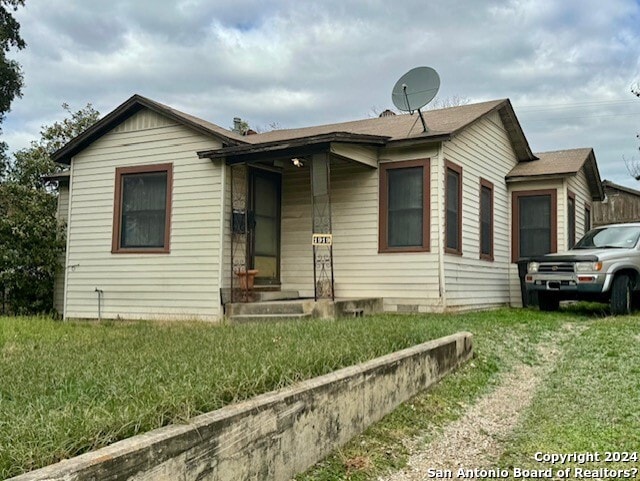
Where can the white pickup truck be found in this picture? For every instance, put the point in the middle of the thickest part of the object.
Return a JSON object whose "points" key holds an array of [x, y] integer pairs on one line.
{"points": [[604, 266]]}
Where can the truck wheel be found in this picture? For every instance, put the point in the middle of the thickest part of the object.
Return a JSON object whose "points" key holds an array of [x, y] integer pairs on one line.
{"points": [[548, 301], [621, 295]]}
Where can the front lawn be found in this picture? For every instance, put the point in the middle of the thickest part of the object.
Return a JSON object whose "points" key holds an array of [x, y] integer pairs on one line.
{"points": [[587, 404], [67, 388]]}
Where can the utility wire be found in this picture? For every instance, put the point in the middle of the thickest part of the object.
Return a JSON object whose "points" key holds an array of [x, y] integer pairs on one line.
{"points": [[575, 105]]}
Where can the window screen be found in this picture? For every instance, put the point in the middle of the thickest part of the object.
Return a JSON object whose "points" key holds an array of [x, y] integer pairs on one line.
{"points": [[486, 220], [571, 221], [453, 210], [535, 225], [405, 205], [144, 200]]}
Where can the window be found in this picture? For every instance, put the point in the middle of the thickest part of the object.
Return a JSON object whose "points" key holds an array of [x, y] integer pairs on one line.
{"points": [[534, 223], [142, 209], [453, 209], [486, 220], [404, 206], [587, 218], [571, 219]]}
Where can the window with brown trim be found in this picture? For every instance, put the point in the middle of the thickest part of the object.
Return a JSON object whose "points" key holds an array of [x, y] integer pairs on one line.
{"points": [[404, 206], [571, 219], [486, 220], [453, 208], [587, 218], [142, 209], [534, 226]]}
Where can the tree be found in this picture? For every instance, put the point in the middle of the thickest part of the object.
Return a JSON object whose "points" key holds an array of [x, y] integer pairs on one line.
{"points": [[453, 101], [435, 104], [30, 242], [10, 73], [31, 238], [32, 163], [633, 165]]}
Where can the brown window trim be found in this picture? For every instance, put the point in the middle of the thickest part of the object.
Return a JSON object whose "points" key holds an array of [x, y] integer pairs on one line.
{"points": [[383, 211], [571, 196], [488, 185], [587, 211], [458, 169], [515, 219], [117, 209]]}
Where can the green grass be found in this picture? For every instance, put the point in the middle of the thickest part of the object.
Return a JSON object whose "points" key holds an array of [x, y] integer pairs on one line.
{"points": [[66, 388], [589, 403]]}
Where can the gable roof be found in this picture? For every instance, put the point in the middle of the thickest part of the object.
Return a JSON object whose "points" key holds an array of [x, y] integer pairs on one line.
{"points": [[607, 184], [125, 110], [442, 125], [562, 163]]}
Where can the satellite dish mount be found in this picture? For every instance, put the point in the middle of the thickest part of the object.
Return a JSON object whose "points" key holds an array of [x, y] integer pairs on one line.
{"points": [[415, 89]]}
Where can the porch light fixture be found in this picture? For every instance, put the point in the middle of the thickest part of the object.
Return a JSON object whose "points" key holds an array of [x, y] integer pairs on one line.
{"points": [[297, 162]]}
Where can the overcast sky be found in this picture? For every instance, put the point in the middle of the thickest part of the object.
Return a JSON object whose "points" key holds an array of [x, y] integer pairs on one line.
{"points": [[566, 65]]}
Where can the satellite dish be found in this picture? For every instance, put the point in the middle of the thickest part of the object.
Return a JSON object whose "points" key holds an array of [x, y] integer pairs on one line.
{"points": [[415, 89]]}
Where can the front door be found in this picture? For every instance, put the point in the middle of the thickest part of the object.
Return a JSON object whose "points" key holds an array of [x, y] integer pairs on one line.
{"points": [[264, 245]]}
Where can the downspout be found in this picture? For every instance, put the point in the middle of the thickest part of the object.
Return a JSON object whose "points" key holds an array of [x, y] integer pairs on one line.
{"points": [[224, 225], [440, 180], [67, 243]]}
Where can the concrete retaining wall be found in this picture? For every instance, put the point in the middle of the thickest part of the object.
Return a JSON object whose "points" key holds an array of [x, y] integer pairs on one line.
{"points": [[275, 435]]}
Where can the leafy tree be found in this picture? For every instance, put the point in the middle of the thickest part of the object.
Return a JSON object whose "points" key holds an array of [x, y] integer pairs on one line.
{"points": [[30, 242], [32, 163], [4, 160], [31, 238], [10, 73]]}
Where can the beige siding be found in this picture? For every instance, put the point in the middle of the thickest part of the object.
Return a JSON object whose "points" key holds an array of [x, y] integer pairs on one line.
{"points": [[183, 284], [61, 214], [408, 280], [579, 186], [484, 151], [561, 191]]}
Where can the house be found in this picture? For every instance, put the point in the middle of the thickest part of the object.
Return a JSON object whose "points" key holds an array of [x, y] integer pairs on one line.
{"points": [[169, 215], [620, 204]]}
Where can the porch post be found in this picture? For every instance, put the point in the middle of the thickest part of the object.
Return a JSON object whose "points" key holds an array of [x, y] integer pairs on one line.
{"points": [[322, 241], [239, 231]]}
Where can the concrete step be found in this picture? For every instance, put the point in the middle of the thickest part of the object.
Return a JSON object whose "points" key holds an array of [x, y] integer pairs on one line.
{"points": [[242, 318], [264, 296], [282, 308]]}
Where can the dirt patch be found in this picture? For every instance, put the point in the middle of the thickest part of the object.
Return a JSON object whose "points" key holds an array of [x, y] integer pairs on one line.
{"points": [[476, 440]]}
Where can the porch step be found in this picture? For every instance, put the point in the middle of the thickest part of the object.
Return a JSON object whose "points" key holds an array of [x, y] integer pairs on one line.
{"points": [[260, 295], [242, 318], [276, 295], [301, 309], [281, 308]]}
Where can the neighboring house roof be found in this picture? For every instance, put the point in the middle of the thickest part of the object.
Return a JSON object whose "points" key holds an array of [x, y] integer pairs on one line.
{"points": [[562, 163], [130, 107], [442, 124], [61, 176], [607, 184]]}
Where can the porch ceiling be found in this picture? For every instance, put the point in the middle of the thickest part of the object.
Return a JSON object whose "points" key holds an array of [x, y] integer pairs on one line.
{"points": [[299, 147]]}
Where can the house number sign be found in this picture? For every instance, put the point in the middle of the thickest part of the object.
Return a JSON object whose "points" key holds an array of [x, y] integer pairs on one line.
{"points": [[322, 239]]}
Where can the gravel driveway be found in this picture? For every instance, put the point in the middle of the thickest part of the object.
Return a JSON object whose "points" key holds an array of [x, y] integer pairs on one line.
{"points": [[476, 439]]}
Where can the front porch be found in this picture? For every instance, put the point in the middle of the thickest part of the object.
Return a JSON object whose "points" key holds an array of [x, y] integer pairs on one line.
{"points": [[279, 229]]}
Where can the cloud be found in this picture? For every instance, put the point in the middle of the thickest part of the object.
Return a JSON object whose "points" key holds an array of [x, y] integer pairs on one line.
{"points": [[305, 63]]}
